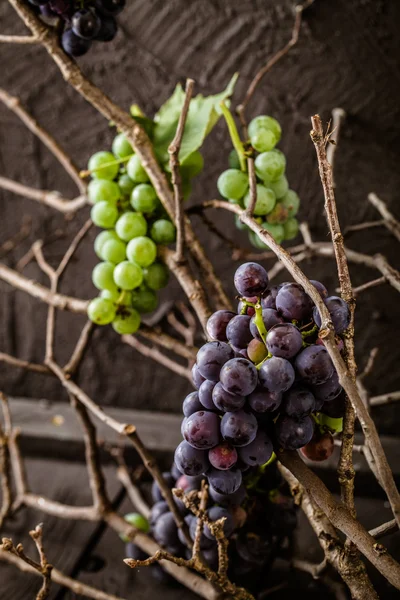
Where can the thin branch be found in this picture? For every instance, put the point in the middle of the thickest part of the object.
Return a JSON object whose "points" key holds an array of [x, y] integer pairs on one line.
{"points": [[252, 185], [368, 285], [5, 476], [362, 226], [24, 364], [390, 222], [40, 259], [313, 569], [155, 354], [79, 350], [384, 399], [157, 336], [46, 568], [52, 199], [174, 164], [132, 490], [18, 39], [338, 116], [384, 529]]}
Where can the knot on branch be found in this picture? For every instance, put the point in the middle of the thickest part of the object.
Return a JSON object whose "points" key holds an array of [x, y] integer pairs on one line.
{"points": [[6, 544], [379, 549]]}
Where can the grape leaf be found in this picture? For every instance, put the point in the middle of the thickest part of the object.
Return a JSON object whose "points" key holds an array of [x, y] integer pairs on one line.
{"points": [[203, 114]]}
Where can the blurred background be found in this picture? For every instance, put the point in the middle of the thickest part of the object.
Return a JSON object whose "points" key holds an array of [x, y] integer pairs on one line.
{"points": [[347, 56]]}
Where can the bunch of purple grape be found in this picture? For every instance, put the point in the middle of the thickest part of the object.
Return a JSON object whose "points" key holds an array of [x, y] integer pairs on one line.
{"points": [[84, 21], [266, 380]]}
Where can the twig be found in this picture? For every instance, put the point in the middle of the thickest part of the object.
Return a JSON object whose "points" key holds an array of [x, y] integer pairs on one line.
{"points": [[5, 473], [18, 39], [384, 529], [338, 116], [384, 399], [370, 363], [388, 219], [52, 199], [155, 354], [252, 185], [368, 285], [37, 536], [190, 322], [24, 364], [203, 494], [174, 164], [10, 244], [79, 350], [362, 226], [313, 569], [157, 336], [132, 490]]}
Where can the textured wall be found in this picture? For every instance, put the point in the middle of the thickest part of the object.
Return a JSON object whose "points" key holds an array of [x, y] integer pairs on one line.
{"points": [[347, 56]]}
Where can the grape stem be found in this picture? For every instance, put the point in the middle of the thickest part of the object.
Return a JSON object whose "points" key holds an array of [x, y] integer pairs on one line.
{"points": [[235, 137], [310, 332], [259, 322]]}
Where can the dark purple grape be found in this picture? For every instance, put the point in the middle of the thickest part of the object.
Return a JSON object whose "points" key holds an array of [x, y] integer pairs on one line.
{"points": [[225, 482], [250, 310], [74, 45], [284, 340], [239, 428], [133, 551], [314, 365], [158, 509], [223, 456], [262, 401], [160, 575], [85, 23], [206, 395], [298, 402], [335, 408], [197, 377], [270, 318], [320, 448], [251, 279], [339, 311], [214, 514], [155, 489], [188, 520], [225, 401], [46, 11], [205, 542], [191, 404], [201, 430], [61, 7], [329, 390], [234, 499], [175, 472], [211, 357], [292, 434], [276, 374], [110, 8], [253, 549], [216, 324], [210, 555], [238, 331], [239, 376], [257, 351], [268, 298], [191, 461], [258, 452], [108, 29], [293, 303], [321, 289], [165, 530]]}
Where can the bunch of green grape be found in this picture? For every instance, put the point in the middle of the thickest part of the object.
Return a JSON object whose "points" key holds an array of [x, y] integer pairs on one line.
{"points": [[276, 204], [134, 222]]}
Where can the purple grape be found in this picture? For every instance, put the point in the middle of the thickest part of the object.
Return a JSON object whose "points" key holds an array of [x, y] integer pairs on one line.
{"points": [[85, 23], [253, 549], [165, 530], [270, 318], [74, 45], [158, 509], [108, 29], [314, 365], [329, 390], [201, 430], [110, 7], [268, 299], [298, 402], [46, 11], [191, 404], [251, 279], [216, 325], [191, 461], [293, 434], [276, 374], [211, 357], [339, 311], [234, 499], [155, 489], [223, 456], [38, 2], [258, 452], [249, 309], [293, 303], [214, 514], [225, 401], [239, 376], [284, 340], [206, 395], [210, 555], [133, 551], [321, 289], [238, 331], [205, 541], [225, 482], [335, 408], [188, 520], [61, 7], [175, 472], [262, 401], [197, 377], [239, 428]]}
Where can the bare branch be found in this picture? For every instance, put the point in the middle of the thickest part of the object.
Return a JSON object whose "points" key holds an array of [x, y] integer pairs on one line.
{"points": [[18, 39], [158, 356], [384, 399], [45, 567], [52, 199], [5, 475], [24, 364], [338, 116], [79, 350], [389, 220], [157, 336], [368, 285], [132, 490], [252, 185], [384, 529]]}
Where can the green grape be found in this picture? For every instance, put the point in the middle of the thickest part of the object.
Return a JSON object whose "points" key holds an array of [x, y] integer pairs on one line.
{"points": [[131, 225], [126, 184], [291, 201], [163, 232], [114, 251], [156, 276], [263, 140], [270, 166], [102, 276], [265, 200], [121, 147], [103, 158], [291, 228], [138, 521], [112, 295], [192, 165], [123, 298], [103, 190], [233, 159], [135, 170], [128, 275], [276, 230], [142, 251], [144, 198], [101, 311], [128, 322], [144, 300], [256, 242], [279, 214], [232, 184], [280, 187], [238, 202], [239, 224], [101, 239], [104, 215], [263, 122]]}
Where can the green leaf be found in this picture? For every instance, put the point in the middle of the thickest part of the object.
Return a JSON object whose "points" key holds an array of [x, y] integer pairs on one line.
{"points": [[203, 114]]}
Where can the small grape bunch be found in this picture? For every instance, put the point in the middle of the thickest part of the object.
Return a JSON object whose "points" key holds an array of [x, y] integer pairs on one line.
{"points": [[265, 381], [84, 21], [277, 205], [126, 207]]}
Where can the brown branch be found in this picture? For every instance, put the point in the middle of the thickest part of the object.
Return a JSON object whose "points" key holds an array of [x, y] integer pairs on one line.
{"points": [[132, 490], [252, 185], [24, 364], [37, 536], [155, 354], [191, 325], [368, 285], [79, 350], [52, 199], [203, 494], [173, 151], [389, 220], [383, 399], [18, 39], [157, 336], [384, 529], [338, 116], [362, 226], [5, 471], [313, 569]]}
